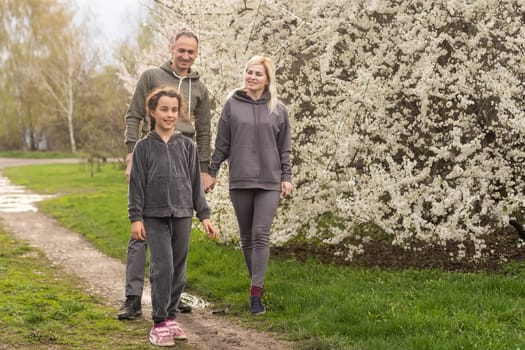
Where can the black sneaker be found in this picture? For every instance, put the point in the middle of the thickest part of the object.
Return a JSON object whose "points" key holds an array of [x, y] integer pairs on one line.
{"points": [[131, 308], [183, 307], [256, 306]]}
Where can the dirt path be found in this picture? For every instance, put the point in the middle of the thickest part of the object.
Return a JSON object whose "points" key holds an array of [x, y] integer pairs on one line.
{"points": [[106, 275]]}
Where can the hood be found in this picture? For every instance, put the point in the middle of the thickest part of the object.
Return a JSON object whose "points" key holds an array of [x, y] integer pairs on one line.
{"points": [[156, 137], [166, 66], [241, 95], [192, 76]]}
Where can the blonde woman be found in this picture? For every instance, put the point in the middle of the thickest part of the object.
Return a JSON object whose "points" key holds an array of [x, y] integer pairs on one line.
{"points": [[253, 134]]}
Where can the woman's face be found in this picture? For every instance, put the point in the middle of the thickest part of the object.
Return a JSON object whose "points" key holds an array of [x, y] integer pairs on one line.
{"points": [[255, 78], [166, 113]]}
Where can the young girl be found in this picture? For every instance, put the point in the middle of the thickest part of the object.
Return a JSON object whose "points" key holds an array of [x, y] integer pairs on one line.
{"points": [[164, 189]]}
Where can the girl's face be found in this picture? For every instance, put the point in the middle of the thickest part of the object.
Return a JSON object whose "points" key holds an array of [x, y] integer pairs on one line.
{"points": [[255, 78], [166, 113]]}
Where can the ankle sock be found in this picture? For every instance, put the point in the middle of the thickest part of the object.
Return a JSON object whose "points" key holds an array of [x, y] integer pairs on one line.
{"points": [[256, 291]]}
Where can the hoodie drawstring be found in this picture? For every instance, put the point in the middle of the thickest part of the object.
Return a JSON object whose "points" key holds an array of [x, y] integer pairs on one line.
{"points": [[189, 92], [189, 101]]}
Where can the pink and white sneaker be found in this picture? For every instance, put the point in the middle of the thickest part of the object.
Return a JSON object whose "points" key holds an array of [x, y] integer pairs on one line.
{"points": [[176, 331], [161, 336]]}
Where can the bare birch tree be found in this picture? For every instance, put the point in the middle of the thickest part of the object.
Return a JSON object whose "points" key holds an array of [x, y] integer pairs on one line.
{"points": [[44, 56], [64, 70]]}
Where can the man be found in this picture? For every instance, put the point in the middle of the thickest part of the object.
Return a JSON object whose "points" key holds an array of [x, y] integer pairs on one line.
{"points": [[175, 72]]}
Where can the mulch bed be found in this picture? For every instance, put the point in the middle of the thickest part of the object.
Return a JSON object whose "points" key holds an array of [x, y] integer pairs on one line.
{"points": [[501, 248]]}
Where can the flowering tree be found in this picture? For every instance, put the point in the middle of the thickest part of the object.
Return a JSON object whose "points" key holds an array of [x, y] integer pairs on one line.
{"points": [[408, 116]]}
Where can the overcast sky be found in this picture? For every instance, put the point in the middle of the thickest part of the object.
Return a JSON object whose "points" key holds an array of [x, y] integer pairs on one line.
{"points": [[111, 20]]}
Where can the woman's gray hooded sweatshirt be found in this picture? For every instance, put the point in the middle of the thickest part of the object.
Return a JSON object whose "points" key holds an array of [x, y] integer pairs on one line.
{"points": [[196, 99], [255, 143], [165, 179]]}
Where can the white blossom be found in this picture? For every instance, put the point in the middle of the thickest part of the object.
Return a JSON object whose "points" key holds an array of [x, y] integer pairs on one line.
{"points": [[408, 115]]}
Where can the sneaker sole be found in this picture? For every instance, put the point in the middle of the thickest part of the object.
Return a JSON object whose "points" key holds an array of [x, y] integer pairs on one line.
{"points": [[179, 336], [152, 341], [129, 317]]}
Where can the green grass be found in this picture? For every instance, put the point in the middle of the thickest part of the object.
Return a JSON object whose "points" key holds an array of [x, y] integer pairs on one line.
{"points": [[44, 307], [95, 206], [317, 306]]}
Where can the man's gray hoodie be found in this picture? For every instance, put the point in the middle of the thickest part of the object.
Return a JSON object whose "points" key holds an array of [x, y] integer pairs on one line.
{"points": [[195, 95], [255, 142], [165, 179]]}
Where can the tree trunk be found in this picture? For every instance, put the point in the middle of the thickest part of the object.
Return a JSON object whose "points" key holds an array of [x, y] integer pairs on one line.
{"points": [[21, 127], [70, 108]]}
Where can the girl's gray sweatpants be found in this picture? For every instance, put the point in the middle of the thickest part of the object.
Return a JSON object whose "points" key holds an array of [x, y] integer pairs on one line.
{"points": [[255, 210], [168, 240]]}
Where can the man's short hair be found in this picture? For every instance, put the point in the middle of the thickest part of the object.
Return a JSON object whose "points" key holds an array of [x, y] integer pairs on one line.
{"points": [[186, 34]]}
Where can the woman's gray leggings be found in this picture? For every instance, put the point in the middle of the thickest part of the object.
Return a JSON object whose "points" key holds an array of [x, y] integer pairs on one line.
{"points": [[255, 210]]}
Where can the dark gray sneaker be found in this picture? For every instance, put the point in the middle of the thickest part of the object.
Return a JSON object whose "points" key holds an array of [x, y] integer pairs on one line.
{"points": [[131, 308], [183, 307], [256, 306]]}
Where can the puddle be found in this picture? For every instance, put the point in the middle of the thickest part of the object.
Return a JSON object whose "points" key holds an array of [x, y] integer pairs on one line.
{"points": [[15, 199], [194, 301]]}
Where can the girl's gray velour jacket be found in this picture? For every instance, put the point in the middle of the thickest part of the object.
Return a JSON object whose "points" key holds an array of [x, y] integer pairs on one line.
{"points": [[165, 179]]}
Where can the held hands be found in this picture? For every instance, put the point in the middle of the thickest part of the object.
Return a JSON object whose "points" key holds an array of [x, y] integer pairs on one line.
{"points": [[286, 189], [208, 182], [211, 231], [138, 231]]}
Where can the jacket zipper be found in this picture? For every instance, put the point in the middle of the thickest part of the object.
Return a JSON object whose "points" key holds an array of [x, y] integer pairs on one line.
{"points": [[169, 172]]}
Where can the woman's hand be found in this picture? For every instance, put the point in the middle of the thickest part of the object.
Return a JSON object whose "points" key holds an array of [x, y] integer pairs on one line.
{"points": [[286, 189]]}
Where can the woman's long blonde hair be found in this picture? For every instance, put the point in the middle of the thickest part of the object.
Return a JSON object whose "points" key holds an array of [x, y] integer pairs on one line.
{"points": [[269, 67]]}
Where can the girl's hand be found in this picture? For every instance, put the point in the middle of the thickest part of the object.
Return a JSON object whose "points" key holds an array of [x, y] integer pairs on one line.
{"points": [[286, 189], [138, 231], [210, 230]]}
